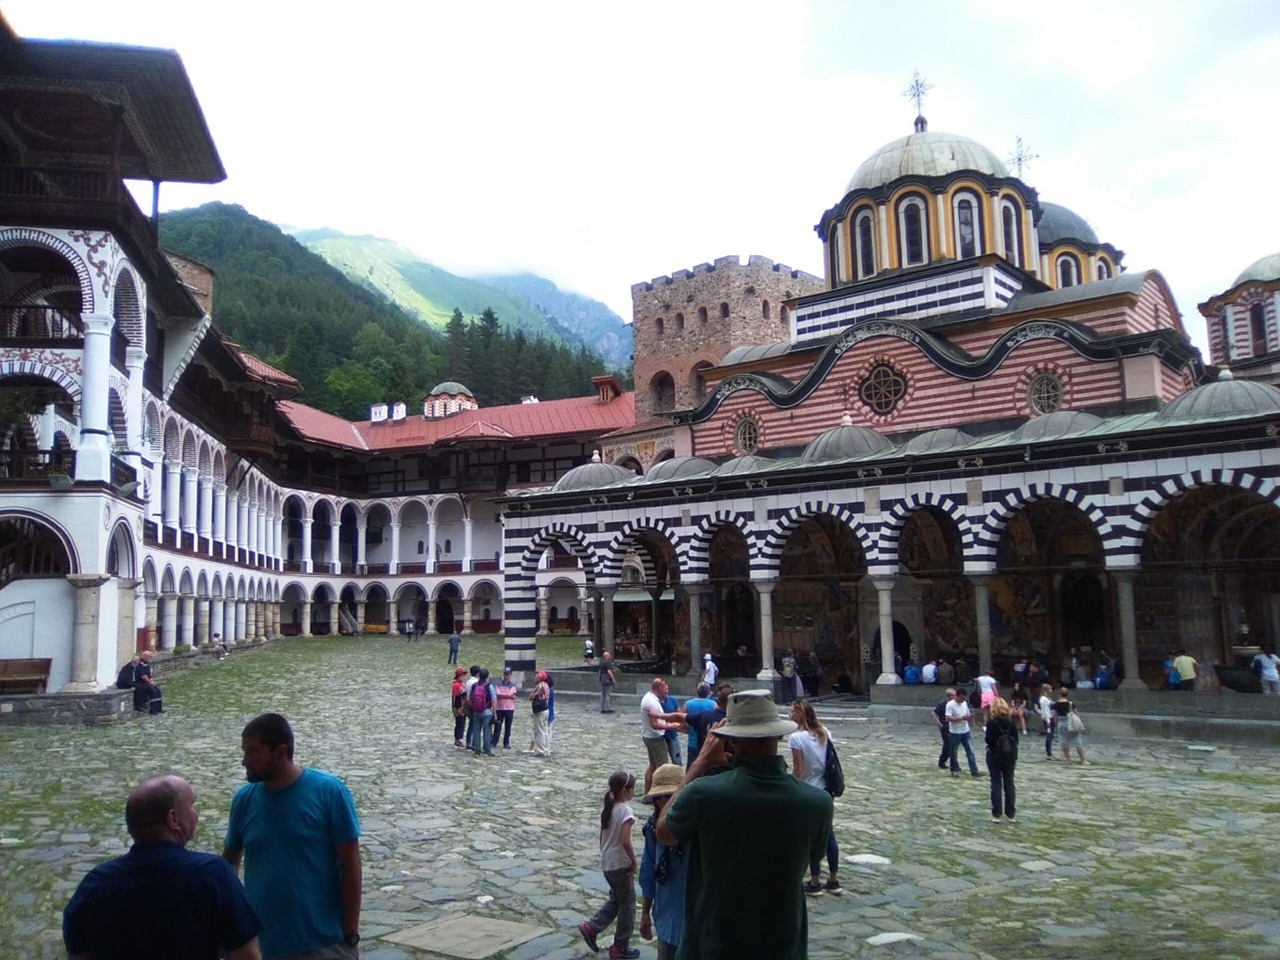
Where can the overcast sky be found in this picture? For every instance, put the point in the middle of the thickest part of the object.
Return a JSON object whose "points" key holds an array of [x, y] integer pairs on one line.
{"points": [[605, 143]]}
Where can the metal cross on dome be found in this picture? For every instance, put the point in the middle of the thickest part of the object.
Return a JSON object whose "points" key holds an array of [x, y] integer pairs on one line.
{"points": [[1021, 156], [915, 92]]}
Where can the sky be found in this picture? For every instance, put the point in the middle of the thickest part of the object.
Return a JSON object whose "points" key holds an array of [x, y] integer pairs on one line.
{"points": [[602, 144]]}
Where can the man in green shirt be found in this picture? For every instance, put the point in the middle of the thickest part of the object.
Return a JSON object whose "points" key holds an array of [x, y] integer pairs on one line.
{"points": [[1186, 667], [751, 831]]}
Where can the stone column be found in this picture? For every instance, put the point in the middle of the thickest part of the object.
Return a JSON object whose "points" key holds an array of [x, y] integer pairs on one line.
{"points": [[307, 565], [360, 615], [1127, 616], [84, 633], [172, 503], [217, 617], [395, 547], [584, 620], [335, 556], [186, 619], [362, 544], [126, 619], [242, 525], [218, 527], [334, 623], [654, 609], [431, 543], [168, 621], [190, 499], [765, 590], [202, 621], [93, 453], [466, 545], [884, 594], [544, 615], [466, 618], [306, 618], [232, 529], [982, 618], [152, 621], [693, 597], [606, 618], [204, 513], [229, 623], [242, 613]]}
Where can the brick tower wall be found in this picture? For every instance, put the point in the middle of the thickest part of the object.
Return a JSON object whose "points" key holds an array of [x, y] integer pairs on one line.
{"points": [[694, 317]]}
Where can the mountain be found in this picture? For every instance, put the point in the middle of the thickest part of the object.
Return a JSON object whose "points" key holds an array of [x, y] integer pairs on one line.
{"points": [[523, 301]]}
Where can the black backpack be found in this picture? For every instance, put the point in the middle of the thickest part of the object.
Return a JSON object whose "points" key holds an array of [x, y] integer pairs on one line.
{"points": [[833, 773], [1006, 742]]}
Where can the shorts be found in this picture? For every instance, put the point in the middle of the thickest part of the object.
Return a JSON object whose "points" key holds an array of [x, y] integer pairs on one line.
{"points": [[657, 747], [987, 697]]}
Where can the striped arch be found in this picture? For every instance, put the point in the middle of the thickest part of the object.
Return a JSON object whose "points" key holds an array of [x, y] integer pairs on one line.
{"points": [[16, 237], [897, 518], [52, 526], [987, 539], [1144, 512], [33, 368], [699, 555], [776, 540], [129, 305], [615, 553], [520, 589]]}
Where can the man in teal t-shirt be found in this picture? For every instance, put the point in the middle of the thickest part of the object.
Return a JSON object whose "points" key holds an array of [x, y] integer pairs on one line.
{"points": [[299, 835], [746, 899]]}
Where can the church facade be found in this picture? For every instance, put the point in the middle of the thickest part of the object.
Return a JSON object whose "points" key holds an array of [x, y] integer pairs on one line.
{"points": [[976, 432]]}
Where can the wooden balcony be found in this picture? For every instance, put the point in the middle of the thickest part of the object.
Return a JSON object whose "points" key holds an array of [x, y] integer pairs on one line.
{"points": [[31, 466]]}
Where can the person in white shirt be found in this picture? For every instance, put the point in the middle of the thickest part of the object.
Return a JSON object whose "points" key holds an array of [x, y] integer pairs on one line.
{"points": [[958, 723], [1046, 717], [988, 687], [930, 672], [1268, 666], [654, 722], [709, 671]]}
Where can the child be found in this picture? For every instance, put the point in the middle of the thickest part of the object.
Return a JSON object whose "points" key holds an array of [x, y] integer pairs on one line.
{"points": [[618, 861], [662, 870]]}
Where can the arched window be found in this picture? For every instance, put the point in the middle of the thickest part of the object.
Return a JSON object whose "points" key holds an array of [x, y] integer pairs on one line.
{"points": [[724, 311], [1258, 329], [837, 254], [1103, 270], [968, 226], [679, 322], [553, 613], [864, 234], [422, 548], [658, 326], [662, 392], [1068, 271], [1012, 224], [913, 231], [702, 314], [785, 315], [764, 309], [448, 547]]}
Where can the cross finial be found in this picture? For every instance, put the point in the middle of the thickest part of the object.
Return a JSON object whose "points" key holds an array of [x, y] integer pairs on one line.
{"points": [[1021, 156], [915, 92]]}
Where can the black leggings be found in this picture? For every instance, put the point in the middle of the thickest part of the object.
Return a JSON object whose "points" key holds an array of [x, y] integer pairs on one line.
{"points": [[500, 718]]}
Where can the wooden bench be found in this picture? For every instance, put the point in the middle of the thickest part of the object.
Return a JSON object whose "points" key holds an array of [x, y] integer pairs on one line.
{"points": [[24, 676]]}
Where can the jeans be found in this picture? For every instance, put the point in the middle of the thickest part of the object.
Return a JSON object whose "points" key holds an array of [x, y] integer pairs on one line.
{"points": [[459, 725], [480, 732], [501, 718], [673, 747], [1271, 688], [1050, 729], [962, 740], [1001, 771], [621, 904], [833, 856], [606, 691], [453, 656], [944, 757]]}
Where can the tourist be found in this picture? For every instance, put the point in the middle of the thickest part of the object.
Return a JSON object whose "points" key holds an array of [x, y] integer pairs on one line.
{"points": [[195, 906], [672, 735], [504, 709], [662, 870], [150, 695], [455, 644], [988, 689], [1002, 756], [944, 729], [1063, 709], [1267, 666], [618, 863], [701, 722], [812, 674], [946, 673], [964, 672], [958, 717], [588, 650], [607, 682], [709, 671], [219, 648], [473, 676], [745, 899], [551, 711], [701, 702], [1048, 719], [1018, 705], [654, 722], [457, 699], [788, 671], [809, 765], [128, 679], [1186, 666], [481, 700], [1037, 674], [299, 830], [540, 703], [929, 673]]}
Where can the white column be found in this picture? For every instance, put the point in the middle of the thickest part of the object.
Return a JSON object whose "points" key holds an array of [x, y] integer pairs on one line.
{"points": [[190, 498], [93, 454], [765, 589], [264, 544], [240, 620], [218, 527], [335, 559], [204, 511], [233, 520], [168, 621], [306, 618], [84, 634], [229, 622], [172, 506], [431, 544], [883, 215], [395, 546], [251, 619], [884, 593], [982, 619], [217, 617], [307, 565], [466, 546], [242, 522], [152, 620], [362, 532], [186, 619], [202, 634]]}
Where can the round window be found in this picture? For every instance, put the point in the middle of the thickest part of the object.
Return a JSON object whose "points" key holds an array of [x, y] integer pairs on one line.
{"points": [[1044, 393], [747, 436], [882, 388]]}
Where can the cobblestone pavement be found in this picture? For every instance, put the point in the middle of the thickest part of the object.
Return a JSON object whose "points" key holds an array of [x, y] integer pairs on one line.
{"points": [[1154, 849]]}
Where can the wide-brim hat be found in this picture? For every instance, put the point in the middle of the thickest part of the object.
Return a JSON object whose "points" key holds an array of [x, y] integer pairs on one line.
{"points": [[752, 715], [667, 779], [460, 672], [706, 656]]}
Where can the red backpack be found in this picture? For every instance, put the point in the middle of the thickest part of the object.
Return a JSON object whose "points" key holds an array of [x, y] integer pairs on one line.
{"points": [[479, 697]]}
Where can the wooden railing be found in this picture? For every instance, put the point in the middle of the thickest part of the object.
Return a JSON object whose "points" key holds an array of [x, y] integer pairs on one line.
{"points": [[28, 465], [28, 322]]}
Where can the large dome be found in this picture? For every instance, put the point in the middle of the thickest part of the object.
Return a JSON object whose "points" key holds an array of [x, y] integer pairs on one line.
{"points": [[845, 441], [1054, 426], [592, 475], [1058, 223], [678, 467], [1225, 399], [1268, 268], [925, 155], [452, 388]]}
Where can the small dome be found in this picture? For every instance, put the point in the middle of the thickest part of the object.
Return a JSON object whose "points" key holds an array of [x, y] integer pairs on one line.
{"points": [[451, 387], [1052, 426], [1268, 268], [845, 441], [592, 475], [755, 352], [936, 441], [678, 467], [925, 155], [1057, 224], [747, 464], [1225, 399]]}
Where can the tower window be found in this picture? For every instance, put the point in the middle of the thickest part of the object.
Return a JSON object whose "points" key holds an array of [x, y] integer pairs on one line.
{"points": [[764, 309], [702, 314], [1258, 329], [1068, 271], [864, 231], [1012, 225], [679, 322], [658, 326], [724, 311], [1103, 270], [837, 254], [911, 223], [966, 227]]}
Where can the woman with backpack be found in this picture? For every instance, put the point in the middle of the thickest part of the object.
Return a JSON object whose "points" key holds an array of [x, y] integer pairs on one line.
{"points": [[809, 764], [458, 699], [1002, 756], [1069, 726], [481, 700]]}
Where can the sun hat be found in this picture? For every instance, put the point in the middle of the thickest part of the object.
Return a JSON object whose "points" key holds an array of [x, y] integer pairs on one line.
{"points": [[706, 656], [460, 672], [667, 779], [752, 715]]}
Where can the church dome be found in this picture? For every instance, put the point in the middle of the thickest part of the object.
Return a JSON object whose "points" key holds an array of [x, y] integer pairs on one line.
{"points": [[592, 475], [1225, 399], [845, 441], [747, 464], [1057, 223], [678, 467], [925, 154], [1053, 426], [1268, 268], [936, 441], [451, 387]]}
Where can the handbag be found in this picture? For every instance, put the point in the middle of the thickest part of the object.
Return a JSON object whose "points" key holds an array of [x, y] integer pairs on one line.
{"points": [[540, 705], [1075, 724]]}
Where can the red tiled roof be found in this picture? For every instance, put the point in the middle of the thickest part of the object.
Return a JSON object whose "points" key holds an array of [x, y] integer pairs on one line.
{"points": [[265, 371], [640, 426], [313, 424]]}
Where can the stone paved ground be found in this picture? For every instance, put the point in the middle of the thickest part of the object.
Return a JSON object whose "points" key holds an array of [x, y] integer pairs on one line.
{"points": [[1153, 850]]}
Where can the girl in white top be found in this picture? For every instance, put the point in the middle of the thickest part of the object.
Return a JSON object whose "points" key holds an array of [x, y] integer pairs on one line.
{"points": [[809, 765], [1046, 716], [618, 861]]}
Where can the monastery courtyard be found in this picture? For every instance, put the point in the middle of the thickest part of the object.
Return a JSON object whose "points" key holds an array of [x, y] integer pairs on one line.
{"points": [[1154, 849]]}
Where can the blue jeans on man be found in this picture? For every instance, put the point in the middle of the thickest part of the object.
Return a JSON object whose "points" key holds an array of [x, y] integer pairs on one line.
{"points": [[962, 740], [480, 732]]}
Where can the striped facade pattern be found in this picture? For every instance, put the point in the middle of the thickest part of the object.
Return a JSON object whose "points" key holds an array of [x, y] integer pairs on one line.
{"points": [[520, 600], [776, 538]]}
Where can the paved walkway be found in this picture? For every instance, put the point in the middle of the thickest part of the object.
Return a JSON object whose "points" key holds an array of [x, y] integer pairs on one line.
{"points": [[1153, 850]]}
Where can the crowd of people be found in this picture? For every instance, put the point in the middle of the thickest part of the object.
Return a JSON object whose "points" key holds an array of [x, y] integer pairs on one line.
{"points": [[1100, 671], [483, 711]]}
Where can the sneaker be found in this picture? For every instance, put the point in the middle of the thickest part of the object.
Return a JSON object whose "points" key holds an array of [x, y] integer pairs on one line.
{"points": [[955, 773], [975, 774], [994, 818], [1011, 818], [813, 888], [589, 934], [833, 886], [623, 953]]}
